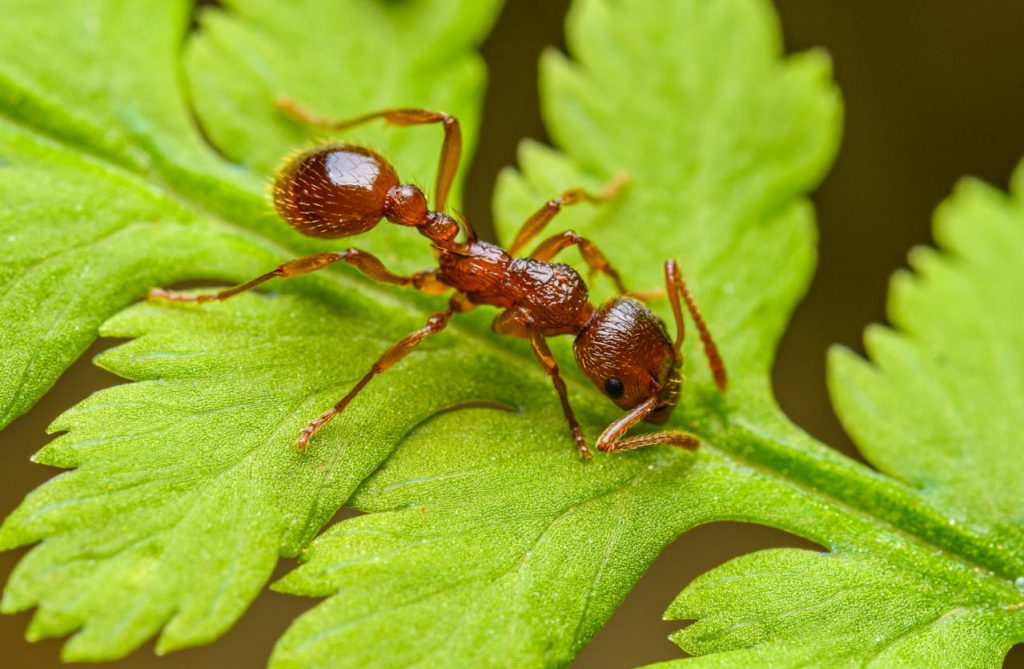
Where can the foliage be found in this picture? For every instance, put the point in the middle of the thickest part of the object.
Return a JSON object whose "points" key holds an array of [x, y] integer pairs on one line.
{"points": [[485, 540], [904, 603]]}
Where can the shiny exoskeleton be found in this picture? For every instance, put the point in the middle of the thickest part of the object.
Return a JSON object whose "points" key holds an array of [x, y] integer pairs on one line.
{"points": [[339, 190]]}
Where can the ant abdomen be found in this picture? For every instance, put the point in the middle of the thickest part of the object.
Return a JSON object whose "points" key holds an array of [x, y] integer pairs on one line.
{"points": [[334, 190]]}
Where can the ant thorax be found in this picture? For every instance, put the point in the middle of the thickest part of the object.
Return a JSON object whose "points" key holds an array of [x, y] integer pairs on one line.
{"points": [[478, 269], [554, 293]]}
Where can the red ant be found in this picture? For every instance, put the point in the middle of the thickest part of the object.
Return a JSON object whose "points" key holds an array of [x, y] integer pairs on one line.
{"points": [[339, 190]]}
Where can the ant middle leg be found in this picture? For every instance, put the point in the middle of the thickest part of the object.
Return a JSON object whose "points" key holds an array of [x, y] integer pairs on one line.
{"points": [[539, 220], [436, 323], [610, 440], [517, 323], [595, 259], [451, 148], [367, 263]]}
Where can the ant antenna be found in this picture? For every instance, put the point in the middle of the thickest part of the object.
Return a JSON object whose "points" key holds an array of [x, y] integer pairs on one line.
{"points": [[675, 286]]}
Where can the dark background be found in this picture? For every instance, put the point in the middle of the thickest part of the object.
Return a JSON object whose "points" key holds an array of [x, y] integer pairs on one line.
{"points": [[933, 91]]}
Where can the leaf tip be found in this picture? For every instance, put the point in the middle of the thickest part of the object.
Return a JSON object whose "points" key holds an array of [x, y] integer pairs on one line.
{"points": [[839, 355], [10, 539], [8, 604]]}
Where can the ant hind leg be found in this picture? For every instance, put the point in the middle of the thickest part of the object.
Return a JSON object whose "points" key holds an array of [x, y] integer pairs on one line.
{"points": [[451, 148], [436, 323], [367, 263]]}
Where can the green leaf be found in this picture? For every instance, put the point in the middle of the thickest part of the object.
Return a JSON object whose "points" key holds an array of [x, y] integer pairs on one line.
{"points": [[67, 161], [485, 540], [796, 608], [109, 188], [201, 471], [938, 407], [958, 354], [213, 457]]}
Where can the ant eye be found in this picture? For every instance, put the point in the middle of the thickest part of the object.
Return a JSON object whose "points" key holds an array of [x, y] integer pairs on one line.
{"points": [[614, 388]]}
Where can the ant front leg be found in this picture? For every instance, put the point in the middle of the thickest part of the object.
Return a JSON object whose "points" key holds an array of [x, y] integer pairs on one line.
{"points": [[436, 323], [539, 220], [595, 259], [451, 149], [609, 441], [367, 263], [515, 322]]}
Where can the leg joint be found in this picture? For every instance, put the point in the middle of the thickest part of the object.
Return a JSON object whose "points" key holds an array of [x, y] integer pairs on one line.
{"points": [[437, 322]]}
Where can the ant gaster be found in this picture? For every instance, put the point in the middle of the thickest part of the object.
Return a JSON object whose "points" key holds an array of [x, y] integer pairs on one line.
{"points": [[339, 190]]}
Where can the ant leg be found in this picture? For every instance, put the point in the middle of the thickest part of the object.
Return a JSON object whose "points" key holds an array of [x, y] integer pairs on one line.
{"points": [[368, 264], [675, 286], [609, 441], [437, 322], [533, 225], [516, 323], [451, 149], [679, 439], [595, 259], [648, 295], [547, 361]]}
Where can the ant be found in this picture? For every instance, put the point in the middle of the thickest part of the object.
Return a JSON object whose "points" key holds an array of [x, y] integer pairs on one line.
{"points": [[338, 190]]}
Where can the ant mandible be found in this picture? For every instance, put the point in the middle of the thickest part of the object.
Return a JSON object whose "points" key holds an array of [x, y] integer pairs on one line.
{"points": [[339, 190]]}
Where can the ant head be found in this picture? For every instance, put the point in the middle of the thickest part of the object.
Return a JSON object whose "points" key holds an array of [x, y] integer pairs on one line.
{"points": [[625, 350]]}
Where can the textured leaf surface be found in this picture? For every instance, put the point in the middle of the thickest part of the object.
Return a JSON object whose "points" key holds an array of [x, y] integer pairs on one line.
{"points": [[82, 216], [486, 541], [937, 406], [110, 188], [797, 608], [949, 381]]}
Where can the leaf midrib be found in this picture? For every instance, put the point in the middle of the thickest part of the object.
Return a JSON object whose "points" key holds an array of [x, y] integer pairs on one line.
{"points": [[892, 490], [155, 181]]}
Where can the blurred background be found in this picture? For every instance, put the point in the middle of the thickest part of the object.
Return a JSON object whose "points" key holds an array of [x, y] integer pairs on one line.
{"points": [[933, 91]]}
